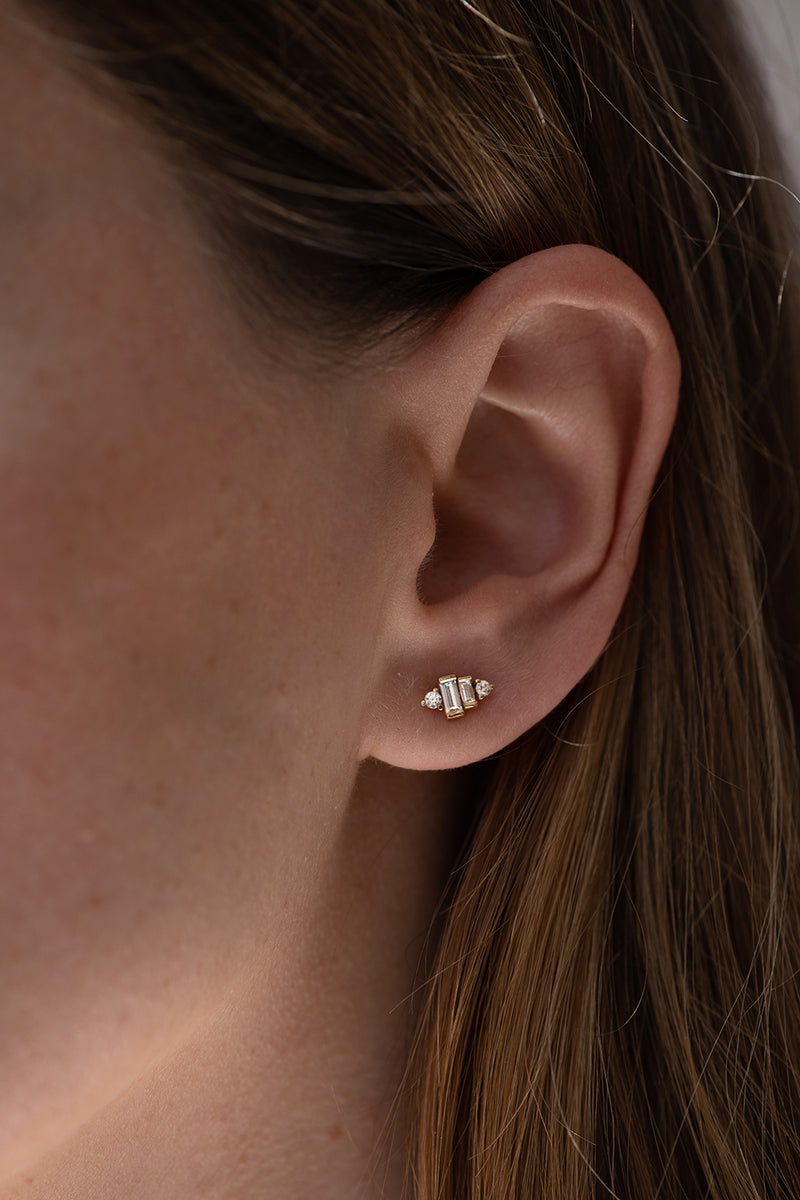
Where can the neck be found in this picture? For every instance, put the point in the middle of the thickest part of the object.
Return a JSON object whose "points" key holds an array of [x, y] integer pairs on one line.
{"points": [[292, 1087]]}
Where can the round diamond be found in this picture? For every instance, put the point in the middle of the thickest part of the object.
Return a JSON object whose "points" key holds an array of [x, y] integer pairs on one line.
{"points": [[433, 699], [482, 688]]}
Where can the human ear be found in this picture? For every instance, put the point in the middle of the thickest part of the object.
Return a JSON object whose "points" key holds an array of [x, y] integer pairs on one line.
{"points": [[546, 403]]}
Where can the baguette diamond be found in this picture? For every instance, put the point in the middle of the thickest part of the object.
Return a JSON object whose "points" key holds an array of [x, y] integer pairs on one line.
{"points": [[448, 686], [456, 694]]}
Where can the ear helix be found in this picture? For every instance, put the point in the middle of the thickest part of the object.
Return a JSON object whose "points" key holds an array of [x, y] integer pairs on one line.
{"points": [[455, 694]]}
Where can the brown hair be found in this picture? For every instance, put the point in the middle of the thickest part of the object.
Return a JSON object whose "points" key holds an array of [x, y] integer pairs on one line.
{"points": [[614, 1007]]}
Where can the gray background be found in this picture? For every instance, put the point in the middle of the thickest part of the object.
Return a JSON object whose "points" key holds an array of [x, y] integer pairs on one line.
{"points": [[774, 29]]}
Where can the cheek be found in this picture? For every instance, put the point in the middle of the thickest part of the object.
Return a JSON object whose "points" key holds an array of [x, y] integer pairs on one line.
{"points": [[183, 632], [171, 654]]}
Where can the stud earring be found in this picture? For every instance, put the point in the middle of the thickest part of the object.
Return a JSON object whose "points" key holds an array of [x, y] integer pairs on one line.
{"points": [[455, 694]]}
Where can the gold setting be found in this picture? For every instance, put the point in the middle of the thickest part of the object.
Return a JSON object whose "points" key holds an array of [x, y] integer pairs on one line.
{"points": [[456, 694]]}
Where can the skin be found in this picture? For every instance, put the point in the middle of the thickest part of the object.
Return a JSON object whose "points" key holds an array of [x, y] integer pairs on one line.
{"points": [[222, 837], [179, 702]]}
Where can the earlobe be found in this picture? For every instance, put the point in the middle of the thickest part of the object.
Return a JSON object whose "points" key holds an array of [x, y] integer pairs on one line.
{"points": [[559, 381]]}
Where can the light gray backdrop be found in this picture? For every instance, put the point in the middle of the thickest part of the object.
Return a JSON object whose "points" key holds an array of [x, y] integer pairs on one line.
{"points": [[774, 27]]}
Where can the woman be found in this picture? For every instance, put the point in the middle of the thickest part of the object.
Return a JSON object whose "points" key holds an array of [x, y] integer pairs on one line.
{"points": [[342, 349]]}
